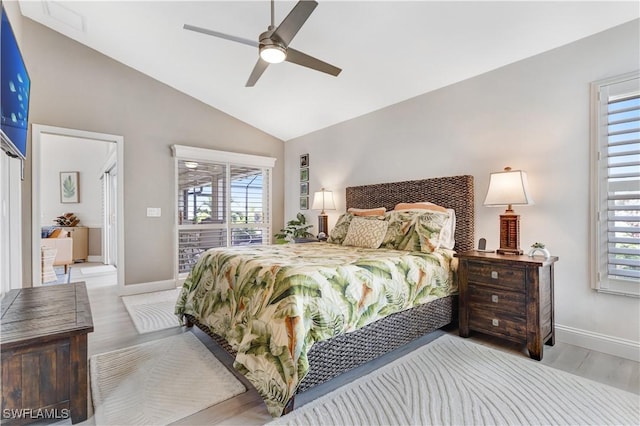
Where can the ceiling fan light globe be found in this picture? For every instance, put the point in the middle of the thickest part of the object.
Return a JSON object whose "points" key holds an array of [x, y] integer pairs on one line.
{"points": [[273, 54]]}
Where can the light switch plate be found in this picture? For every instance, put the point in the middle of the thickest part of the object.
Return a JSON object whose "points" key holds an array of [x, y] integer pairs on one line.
{"points": [[154, 212]]}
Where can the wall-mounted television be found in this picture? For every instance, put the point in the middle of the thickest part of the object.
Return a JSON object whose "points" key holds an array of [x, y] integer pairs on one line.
{"points": [[15, 86]]}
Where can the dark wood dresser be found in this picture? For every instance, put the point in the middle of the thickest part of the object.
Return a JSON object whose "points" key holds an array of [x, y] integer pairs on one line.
{"points": [[43, 349], [508, 296]]}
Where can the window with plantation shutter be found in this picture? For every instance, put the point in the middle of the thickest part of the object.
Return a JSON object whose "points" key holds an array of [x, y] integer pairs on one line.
{"points": [[223, 200], [616, 181]]}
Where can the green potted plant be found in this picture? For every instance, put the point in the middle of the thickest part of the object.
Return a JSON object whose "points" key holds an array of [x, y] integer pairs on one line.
{"points": [[297, 230]]}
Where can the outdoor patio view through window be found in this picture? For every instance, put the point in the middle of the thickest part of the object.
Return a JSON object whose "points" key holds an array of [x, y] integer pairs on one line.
{"points": [[219, 205]]}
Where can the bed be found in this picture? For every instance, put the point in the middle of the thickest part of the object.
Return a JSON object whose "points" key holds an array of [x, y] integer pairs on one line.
{"points": [[301, 344]]}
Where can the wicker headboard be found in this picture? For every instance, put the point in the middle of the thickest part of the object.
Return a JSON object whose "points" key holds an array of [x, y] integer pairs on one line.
{"points": [[453, 192]]}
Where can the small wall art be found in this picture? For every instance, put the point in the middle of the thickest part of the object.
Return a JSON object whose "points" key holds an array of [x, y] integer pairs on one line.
{"points": [[304, 182], [69, 187], [304, 188]]}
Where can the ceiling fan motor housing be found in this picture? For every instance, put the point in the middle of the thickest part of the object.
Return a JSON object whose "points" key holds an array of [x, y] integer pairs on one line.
{"points": [[271, 49]]}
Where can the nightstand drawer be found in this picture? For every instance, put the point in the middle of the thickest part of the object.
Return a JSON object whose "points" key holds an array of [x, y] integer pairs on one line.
{"points": [[498, 323], [510, 278], [505, 301]]}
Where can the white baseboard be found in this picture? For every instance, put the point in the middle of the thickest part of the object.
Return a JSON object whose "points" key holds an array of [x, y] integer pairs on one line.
{"points": [[129, 289], [622, 348]]}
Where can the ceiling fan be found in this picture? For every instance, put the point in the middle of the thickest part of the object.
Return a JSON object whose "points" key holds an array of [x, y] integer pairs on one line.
{"points": [[273, 44]]}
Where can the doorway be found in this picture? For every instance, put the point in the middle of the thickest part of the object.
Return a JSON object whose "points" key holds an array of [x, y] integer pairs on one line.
{"points": [[98, 207], [109, 180]]}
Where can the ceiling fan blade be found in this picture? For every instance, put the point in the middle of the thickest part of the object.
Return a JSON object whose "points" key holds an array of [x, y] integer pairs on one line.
{"points": [[251, 43], [290, 26], [299, 58], [257, 72]]}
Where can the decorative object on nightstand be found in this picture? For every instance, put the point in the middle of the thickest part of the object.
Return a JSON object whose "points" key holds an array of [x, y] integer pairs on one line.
{"points": [[323, 200], [508, 188], [539, 247], [508, 296]]}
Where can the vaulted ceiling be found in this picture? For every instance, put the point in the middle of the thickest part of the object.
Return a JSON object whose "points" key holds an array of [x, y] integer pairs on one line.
{"points": [[389, 50]]}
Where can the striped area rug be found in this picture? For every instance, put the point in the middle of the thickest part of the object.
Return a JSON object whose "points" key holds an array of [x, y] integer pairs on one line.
{"points": [[453, 381], [153, 311], [158, 382]]}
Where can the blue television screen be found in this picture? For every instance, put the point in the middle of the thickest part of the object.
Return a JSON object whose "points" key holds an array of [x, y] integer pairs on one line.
{"points": [[14, 91]]}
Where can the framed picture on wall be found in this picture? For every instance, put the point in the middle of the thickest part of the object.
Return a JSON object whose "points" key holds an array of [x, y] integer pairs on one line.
{"points": [[69, 187], [304, 188], [304, 203], [304, 160], [304, 174]]}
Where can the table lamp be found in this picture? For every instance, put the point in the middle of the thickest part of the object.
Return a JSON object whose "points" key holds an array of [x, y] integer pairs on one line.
{"points": [[323, 200], [508, 188]]}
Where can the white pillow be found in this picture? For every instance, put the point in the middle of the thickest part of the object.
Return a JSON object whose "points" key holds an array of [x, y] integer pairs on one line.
{"points": [[366, 233]]}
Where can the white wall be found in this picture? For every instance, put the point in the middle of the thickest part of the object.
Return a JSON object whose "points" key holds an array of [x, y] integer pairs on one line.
{"points": [[62, 154], [531, 115]]}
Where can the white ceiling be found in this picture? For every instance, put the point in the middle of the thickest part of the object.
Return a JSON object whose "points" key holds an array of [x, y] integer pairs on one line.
{"points": [[389, 50]]}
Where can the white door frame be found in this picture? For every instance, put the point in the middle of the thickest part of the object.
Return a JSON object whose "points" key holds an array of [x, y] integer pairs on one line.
{"points": [[37, 130]]}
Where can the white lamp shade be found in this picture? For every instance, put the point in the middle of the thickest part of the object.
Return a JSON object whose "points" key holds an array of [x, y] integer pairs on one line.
{"points": [[508, 187], [323, 200]]}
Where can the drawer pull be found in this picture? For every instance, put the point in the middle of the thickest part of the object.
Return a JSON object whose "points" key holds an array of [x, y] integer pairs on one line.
{"points": [[495, 322], [494, 275], [494, 298]]}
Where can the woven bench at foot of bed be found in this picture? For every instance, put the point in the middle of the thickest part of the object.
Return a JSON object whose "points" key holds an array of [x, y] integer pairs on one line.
{"points": [[340, 354]]}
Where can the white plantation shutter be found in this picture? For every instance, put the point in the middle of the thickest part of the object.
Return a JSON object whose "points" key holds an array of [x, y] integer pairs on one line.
{"points": [[223, 199], [616, 246]]}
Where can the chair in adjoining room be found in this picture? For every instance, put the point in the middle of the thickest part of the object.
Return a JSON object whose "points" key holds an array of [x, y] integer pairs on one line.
{"points": [[64, 247], [47, 256]]}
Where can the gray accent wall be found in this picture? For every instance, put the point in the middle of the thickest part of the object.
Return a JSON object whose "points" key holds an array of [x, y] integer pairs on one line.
{"points": [[76, 87]]}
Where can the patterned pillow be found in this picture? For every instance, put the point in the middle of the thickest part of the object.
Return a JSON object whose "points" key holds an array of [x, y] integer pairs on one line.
{"points": [[430, 227], [366, 233], [447, 235], [416, 230], [380, 211], [339, 231], [423, 206], [400, 233]]}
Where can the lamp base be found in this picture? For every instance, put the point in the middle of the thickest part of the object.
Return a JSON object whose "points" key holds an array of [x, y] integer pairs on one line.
{"points": [[514, 252], [323, 227], [509, 234]]}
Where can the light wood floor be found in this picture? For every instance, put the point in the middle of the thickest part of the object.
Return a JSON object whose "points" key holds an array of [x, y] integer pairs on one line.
{"points": [[114, 330]]}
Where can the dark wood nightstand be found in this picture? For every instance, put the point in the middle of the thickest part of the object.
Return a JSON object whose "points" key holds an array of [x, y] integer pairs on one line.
{"points": [[508, 296]]}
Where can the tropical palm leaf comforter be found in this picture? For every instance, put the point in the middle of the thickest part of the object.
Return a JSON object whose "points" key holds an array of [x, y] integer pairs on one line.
{"points": [[271, 303]]}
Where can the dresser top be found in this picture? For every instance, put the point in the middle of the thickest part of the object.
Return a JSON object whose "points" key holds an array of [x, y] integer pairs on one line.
{"points": [[507, 258], [54, 311]]}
